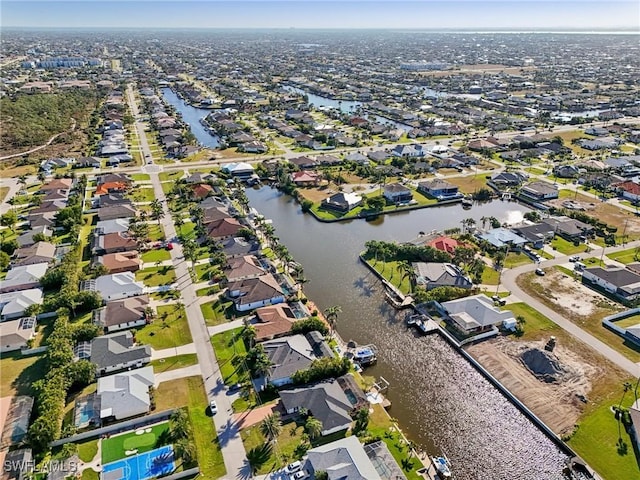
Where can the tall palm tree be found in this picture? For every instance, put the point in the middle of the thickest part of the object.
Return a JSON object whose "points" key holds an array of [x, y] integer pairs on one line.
{"points": [[271, 426], [332, 316], [313, 427], [405, 268]]}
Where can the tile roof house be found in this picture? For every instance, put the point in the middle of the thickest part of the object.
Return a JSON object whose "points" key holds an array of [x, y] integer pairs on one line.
{"points": [[288, 355], [433, 275], [444, 244], [305, 178], [110, 187], [201, 190], [440, 189], [13, 304], [620, 281], [15, 334], [273, 321], [325, 401], [122, 314], [125, 394], [240, 268], [113, 243], [397, 193], [629, 190], [223, 228], [343, 459], [117, 351], [23, 277], [342, 202], [252, 293], [41, 252], [476, 313], [116, 286], [57, 184], [121, 262]]}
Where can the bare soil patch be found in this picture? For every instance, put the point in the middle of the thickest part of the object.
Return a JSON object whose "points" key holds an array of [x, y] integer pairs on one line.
{"points": [[554, 386]]}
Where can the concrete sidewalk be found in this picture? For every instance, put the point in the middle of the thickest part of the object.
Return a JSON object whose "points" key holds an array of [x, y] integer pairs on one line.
{"points": [[193, 370], [173, 351]]}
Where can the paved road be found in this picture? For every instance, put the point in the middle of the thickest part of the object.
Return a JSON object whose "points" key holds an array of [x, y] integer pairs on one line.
{"points": [[233, 452], [509, 281]]}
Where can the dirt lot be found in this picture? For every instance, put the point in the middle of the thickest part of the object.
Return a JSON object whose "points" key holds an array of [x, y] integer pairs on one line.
{"points": [[558, 404]]}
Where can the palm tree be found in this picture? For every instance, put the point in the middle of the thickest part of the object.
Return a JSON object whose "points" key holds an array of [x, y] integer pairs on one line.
{"points": [[156, 210], [313, 427], [149, 314], [405, 268], [271, 426], [249, 334], [258, 456], [332, 316]]}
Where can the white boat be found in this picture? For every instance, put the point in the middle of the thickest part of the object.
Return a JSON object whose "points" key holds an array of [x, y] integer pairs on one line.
{"points": [[442, 466]]}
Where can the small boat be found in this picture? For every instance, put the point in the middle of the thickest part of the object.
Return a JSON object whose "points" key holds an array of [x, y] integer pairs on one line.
{"points": [[442, 466], [467, 202], [365, 355]]}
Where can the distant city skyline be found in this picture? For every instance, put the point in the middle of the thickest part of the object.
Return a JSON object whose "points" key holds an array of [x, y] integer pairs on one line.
{"points": [[417, 14]]}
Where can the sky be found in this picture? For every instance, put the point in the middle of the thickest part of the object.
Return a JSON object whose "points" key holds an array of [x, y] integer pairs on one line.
{"points": [[613, 15]]}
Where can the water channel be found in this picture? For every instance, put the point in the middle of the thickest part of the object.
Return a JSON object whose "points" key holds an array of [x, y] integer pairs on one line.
{"points": [[442, 403], [440, 400], [192, 116]]}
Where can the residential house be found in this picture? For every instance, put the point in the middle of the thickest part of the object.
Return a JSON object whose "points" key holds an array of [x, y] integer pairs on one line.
{"points": [[273, 321], [241, 268], [444, 244], [328, 160], [57, 184], [440, 189], [108, 178], [508, 179], [305, 178], [27, 238], [501, 237], [223, 228], [23, 277], [566, 171], [343, 459], [114, 212], [200, 177], [117, 351], [239, 246], [113, 243], [122, 314], [342, 202], [117, 225], [288, 355], [14, 304], [433, 275], [116, 286], [18, 464], [111, 187], [201, 190], [536, 234], [357, 157], [476, 313], [41, 252], [539, 191], [16, 334], [303, 162], [634, 411], [408, 151], [397, 193], [619, 281], [569, 228], [325, 401], [42, 219], [600, 143], [252, 293], [629, 190], [242, 170], [121, 262], [378, 156], [125, 394]]}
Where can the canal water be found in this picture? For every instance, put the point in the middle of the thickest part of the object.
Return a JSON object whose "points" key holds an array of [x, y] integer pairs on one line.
{"points": [[345, 106], [192, 116], [442, 403]]}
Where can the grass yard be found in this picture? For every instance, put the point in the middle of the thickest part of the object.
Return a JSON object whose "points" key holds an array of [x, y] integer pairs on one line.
{"points": [[566, 247], [19, 372], [140, 177], [625, 256], [629, 321], [536, 325], [205, 270], [156, 276], [187, 230], [90, 474], [171, 176], [169, 329], [190, 392], [156, 255], [172, 363], [212, 290], [3, 193], [88, 450], [229, 346], [145, 194], [515, 259], [114, 448], [469, 183], [389, 270], [156, 234], [490, 276]]}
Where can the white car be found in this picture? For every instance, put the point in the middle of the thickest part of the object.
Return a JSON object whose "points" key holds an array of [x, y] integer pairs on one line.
{"points": [[293, 467], [213, 406], [540, 272], [298, 475]]}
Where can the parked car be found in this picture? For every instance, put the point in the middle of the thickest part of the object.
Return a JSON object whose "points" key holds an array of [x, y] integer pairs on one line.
{"points": [[235, 387], [169, 246], [575, 258], [540, 272], [213, 406], [297, 475], [293, 467]]}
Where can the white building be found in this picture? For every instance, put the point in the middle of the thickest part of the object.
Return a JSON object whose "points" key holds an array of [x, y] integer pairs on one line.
{"points": [[116, 286], [125, 394], [13, 304]]}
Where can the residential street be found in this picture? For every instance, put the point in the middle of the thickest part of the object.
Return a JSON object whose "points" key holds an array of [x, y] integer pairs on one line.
{"points": [[509, 281], [228, 432]]}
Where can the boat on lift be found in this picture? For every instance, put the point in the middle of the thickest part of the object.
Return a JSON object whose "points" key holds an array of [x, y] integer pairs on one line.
{"points": [[442, 466]]}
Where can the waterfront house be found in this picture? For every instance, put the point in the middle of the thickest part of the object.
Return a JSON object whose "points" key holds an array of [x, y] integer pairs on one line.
{"points": [[475, 314], [501, 237], [306, 178], [342, 202], [114, 352], [241, 170], [252, 293], [508, 179], [325, 401], [539, 191], [273, 321], [125, 394], [432, 275], [444, 244], [536, 234], [619, 281], [223, 228], [23, 277], [397, 193], [122, 314], [439, 189], [241, 268], [345, 458], [41, 252], [16, 334], [14, 304], [239, 246], [288, 355], [116, 286]]}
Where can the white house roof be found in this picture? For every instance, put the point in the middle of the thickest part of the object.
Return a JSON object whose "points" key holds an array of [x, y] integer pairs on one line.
{"points": [[124, 282], [112, 226], [119, 392], [24, 275], [237, 167], [344, 458], [14, 303], [476, 311]]}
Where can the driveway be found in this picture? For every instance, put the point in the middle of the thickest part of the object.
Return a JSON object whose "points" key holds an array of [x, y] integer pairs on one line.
{"points": [[256, 415]]}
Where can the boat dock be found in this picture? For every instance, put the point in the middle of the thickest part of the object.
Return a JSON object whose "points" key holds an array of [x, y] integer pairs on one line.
{"points": [[423, 323]]}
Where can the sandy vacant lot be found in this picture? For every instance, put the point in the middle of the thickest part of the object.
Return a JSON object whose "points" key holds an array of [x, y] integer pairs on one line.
{"points": [[558, 404]]}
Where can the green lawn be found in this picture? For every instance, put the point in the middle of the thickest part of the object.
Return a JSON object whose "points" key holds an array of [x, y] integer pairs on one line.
{"points": [[88, 450], [173, 175], [515, 259], [173, 363], [212, 290], [156, 276], [156, 255], [205, 270], [156, 234], [566, 247], [90, 474], [187, 230], [190, 392], [229, 346], [217, 312], [490, 276], [114, 448], [19, 372], [624, 256], [536, 325], [145, 194], [629, 321], [137, 177], [389, 270], [169, 329]]}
